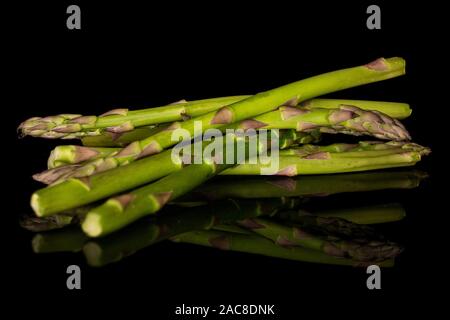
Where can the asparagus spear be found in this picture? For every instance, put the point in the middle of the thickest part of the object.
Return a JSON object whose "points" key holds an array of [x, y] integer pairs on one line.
{"points": [[305, 186], [69, 126], [360, 149], [329, 162], [290, 95], [259, 245], [344, 119], [395, 110], [360, 250]]}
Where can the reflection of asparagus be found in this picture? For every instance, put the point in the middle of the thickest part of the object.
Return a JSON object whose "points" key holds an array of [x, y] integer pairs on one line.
{"points": [[151, 230], [367, 215], [361, 249], [262, 246], [393, 109], [114, 247], [218, 214], [273, 187], [63, 240]]}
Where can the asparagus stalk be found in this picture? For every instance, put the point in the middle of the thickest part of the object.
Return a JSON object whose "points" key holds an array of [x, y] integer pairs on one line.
{"points": [[339, 162], [118, 121], [292, 165], [360, 150], [290, 95], [72, 154], [360, 250], [259, 245], [306, 186], [395, 110], [111, 139]]}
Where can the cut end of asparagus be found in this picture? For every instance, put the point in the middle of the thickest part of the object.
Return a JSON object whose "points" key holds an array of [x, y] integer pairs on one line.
{"points": [[93, 252], [37, 243], [92, 225], [36, 206]]}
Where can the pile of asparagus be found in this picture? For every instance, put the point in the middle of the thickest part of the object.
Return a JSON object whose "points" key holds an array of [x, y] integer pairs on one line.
{"points": [[126, 167]]}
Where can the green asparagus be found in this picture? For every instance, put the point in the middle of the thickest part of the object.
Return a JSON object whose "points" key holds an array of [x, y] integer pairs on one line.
{"points": [[395, 110], [289, 95], [118, 121]]}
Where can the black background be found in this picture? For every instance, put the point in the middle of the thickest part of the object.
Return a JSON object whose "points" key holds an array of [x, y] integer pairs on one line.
{"points": [[131, 54]]}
